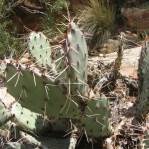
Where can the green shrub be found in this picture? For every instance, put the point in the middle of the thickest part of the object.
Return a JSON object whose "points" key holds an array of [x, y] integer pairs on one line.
{"points": [[97, 18], [8, 42]]}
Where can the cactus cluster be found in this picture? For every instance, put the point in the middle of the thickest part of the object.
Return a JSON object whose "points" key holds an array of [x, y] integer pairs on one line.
{"points": [[58, 99]]}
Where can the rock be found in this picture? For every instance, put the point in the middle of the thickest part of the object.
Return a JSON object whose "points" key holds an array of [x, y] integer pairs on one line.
{"points": [[131, 39], [137, 18], [129, 64], [110, 46]]}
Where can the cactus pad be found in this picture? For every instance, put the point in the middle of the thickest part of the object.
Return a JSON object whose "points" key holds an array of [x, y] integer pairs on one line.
{"points": [[97, 115], [40, 49], [77, 57], [27, 119]]}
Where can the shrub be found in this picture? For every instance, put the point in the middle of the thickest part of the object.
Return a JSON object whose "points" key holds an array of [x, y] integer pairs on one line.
{"points": [[8, 43], [97, 18]]}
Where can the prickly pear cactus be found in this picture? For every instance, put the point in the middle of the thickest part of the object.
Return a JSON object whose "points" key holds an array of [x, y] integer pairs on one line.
{"points": [[143, 99], [62, 99], [47, 98], [40, 49]]}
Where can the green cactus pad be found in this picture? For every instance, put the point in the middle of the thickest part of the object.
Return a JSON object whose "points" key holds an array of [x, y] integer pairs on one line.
{"points": [[77, 56], [39, 93], [27, 119], [40, 49], [36, 123], [96, 122]]}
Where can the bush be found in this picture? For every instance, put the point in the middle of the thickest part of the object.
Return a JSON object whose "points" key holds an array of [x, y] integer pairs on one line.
{"points": [[8, 43], [97, 18]]}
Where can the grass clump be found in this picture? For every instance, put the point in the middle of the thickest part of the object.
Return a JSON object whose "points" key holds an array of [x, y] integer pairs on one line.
{"points": [[97, 19]]}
